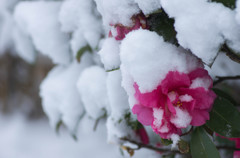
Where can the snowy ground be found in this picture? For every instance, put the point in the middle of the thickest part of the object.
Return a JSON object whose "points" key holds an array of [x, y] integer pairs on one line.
{"points": [[20, 138]]}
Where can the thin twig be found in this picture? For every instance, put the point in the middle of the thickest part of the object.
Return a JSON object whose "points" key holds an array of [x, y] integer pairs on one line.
{"points": [[224, 78], [227, 148], [150, 147], [230, 53], [141, 145]]}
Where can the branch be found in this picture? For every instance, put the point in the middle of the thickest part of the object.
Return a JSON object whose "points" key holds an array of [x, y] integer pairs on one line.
{"points": [[230, 53], [227, 148], [188, 132], [221, 79], [141, 145], [150, 147]]}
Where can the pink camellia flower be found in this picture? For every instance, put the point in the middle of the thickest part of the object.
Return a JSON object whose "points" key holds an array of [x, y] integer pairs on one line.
{"points": [[179, 100], [120, 31]]}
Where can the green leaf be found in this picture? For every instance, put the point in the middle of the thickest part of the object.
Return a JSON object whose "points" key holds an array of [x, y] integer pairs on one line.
{"points": [[223, 94], [224, 119], [163, 25], [202, 146], [82, 51], [113, 69], [166, 142], [228, 3]]}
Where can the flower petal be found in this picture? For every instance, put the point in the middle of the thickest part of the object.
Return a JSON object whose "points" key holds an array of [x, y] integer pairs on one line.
{"points": [[204, 99], [201, 73], [151, 99], [173, 81], [144, 114], [199, 117]]}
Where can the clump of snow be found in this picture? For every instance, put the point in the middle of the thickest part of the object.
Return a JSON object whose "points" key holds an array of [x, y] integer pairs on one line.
{"points": [[238, 12], [175, 138], [68, 15], [158, 119], [201, 82], [148, 6], [185, 98], [39, 20], [142, 51], [23, 45], [81, 18], [110, 54], [59, 94], [117, 126], [182, 118], [117, 12], [6, 25], [203, 27], [93, 91]]}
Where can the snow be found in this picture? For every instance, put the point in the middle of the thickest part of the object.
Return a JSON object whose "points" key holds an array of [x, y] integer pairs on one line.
{"points": [[185, 98], [24, 46], [39, 20], [182, 118], [82, 19], [202, 26], [172, 96], [175, 138], [92, 88], [109, 54], [148, 6], [117, 12], [158, 116], [141, 58], [116, 124], [201, 82], [224, 66], [59, 94], [6, 26], [237, 17], [21, 138]]}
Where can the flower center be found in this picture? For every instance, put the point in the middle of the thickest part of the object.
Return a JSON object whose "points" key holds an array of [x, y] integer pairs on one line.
{"points": [[178, 104], [174, 98]]}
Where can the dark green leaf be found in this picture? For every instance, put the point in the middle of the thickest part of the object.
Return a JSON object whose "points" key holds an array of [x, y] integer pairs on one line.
{"points": [[225, 95], [228, 3], [224, 119], [202, 146], [82, 51], [163, 25]]}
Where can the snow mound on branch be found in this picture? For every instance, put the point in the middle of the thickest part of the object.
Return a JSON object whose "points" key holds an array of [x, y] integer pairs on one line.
{"points": [[148, 6], [117, 12], [81, 18], [110, 54], [60, 96], [39, 20], [6, 27], [116, 124], [203, 27], [93, 91], [142, 51], [24, 46]]}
